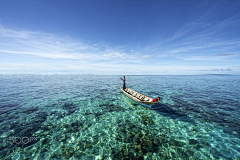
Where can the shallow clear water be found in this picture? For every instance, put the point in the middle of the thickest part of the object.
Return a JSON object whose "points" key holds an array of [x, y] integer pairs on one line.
{"points": [[87, 117]]}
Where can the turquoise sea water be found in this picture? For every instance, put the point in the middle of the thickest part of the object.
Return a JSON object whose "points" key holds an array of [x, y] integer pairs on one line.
{"points": [[87, 117]]}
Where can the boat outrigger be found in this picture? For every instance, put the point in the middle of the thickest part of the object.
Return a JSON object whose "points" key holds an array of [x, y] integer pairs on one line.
{"points": [[137, 97]]}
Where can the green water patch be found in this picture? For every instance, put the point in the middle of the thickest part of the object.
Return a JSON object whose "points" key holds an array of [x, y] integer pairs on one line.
{"points": [[70, 107], [146, 119], [219, 111], [112, 108], [117, 130], [8, 112], [172, 111], [65, 104], [19, 134], [103, 108], [29, 110], [132, 134]]}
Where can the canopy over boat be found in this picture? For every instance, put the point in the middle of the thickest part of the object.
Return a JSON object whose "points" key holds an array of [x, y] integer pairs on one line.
{"points": [[137, 97]]}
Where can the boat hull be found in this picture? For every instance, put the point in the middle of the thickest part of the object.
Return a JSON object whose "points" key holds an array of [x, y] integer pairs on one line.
{"points": [[141, 102]]}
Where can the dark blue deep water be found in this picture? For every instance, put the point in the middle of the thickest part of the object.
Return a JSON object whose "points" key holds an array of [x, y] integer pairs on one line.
{"points": [[87, 117]]}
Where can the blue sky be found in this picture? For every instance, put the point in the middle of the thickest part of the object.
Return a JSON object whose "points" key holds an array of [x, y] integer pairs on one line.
{"points": [[120, 37]]}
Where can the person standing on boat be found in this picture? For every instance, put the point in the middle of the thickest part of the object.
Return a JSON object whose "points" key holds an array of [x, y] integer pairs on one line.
{"points": [[124, 80]]}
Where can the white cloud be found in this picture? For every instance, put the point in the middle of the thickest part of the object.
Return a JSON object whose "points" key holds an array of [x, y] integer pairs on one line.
{"points": [[198, 38], [53, 53], [228, 69], [145, 56], [52, 46]]}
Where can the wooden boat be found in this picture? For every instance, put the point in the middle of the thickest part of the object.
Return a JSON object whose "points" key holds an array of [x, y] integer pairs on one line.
{"points": [[139, 98]]}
